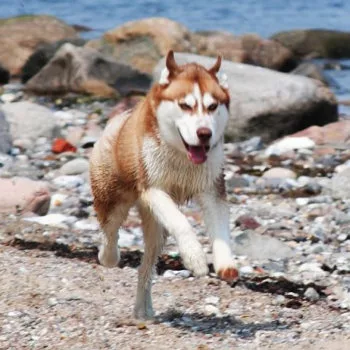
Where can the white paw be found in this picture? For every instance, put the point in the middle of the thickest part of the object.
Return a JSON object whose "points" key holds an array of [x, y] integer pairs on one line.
{"points": [[224, 264], [227, 272], [194, 258], [108, 256]]}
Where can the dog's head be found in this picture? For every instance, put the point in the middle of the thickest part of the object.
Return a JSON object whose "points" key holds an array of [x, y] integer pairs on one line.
{"points": [[193, 107]]}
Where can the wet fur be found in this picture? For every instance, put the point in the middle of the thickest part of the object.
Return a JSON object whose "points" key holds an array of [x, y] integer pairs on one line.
{"points": [[134, 164]]}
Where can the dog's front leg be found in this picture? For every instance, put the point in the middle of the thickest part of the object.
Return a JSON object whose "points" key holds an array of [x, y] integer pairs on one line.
{"points": [[176, 223], [217, 220]]}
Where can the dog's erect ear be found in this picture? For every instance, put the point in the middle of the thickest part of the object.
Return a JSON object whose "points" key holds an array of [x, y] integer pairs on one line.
{"points": [[170, 62], [216, 67], [222, 78], [171, 68]]}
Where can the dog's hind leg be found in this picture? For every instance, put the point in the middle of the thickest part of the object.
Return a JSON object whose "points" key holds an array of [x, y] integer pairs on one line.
{"points": [[154, 240], [110, 223]]}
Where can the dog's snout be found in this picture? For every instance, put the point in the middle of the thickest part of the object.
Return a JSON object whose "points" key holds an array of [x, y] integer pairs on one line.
{"points": [[204, 134]]}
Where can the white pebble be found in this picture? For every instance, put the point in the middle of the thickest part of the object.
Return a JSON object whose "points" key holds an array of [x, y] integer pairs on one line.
{"points": [[68, 181], [211, 310], [301, 201], [212, 300], [342, 237], [14, 314], [311, 294]]}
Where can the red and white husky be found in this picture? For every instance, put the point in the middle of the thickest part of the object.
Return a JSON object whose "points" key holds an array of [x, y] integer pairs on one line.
{"points": [[165, 152]]}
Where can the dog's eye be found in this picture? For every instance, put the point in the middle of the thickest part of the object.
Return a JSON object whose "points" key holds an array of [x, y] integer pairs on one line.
{"points": [[212, 107], [185, 107]]}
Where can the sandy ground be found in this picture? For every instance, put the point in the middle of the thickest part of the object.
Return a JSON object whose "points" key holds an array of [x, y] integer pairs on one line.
{"points": [[49, 302]]}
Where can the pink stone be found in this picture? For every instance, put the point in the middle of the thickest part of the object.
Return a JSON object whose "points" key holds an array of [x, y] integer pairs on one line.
{"points": [[20, 195]]}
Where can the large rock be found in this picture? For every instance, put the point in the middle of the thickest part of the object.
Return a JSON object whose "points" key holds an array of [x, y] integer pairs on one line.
{"points": [[210, 43], [311, 70], [5, 136], [249, 48], [143, 42], [85, 70], [268, 103], [316, 42], [268, 53], [28, 121], [20, 195], [42, 55], [20, 36], [333, 134]]}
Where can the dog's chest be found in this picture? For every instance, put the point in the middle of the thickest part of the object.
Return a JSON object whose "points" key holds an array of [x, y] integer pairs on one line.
{"points": [[175, 174]]}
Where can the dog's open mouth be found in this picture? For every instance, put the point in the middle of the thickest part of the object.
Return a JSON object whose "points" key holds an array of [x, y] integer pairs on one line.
{"points": [[196, 154]]}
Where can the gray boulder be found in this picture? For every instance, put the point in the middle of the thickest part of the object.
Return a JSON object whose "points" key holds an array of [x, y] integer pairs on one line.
{"points": [[85, 70], [5, 136], [28, 121], [267, 103], [315, 42], [43, 55], [311, 70]]}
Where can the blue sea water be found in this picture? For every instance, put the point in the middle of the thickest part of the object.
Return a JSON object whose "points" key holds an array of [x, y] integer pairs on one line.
{"points": [[264, 17], [238, 16]]}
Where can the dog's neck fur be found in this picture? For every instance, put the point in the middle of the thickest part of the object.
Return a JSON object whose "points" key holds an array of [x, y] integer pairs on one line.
{"points": [[170, 170]]}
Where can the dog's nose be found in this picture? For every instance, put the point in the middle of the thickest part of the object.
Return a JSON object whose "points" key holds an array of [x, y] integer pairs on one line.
{"points": [[204, 134]]}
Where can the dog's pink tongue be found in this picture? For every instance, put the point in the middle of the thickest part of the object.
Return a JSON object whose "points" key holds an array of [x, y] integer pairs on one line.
{"points": [[197, 154]]}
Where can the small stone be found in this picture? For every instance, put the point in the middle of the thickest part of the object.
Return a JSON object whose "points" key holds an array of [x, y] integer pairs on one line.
{"points": [[253, 144], [68, 181], [56, 220], [279, 300], [317, 249], [311, 294], [342, 237], [212, 300], [246, 270], [318, 231], [237, 181], [169, 274], [313, 270], [57, 200], [52, 301], [63, 117], [15, 314], [183, 273], [211, 310], [75, 167], [247, 222], [141, 326], [282, 173], [301, 201], [289, 144], [88, 224], [7, 98], [61, 145]]}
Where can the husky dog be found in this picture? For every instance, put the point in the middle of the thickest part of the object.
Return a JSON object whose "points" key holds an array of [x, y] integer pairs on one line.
{"points": [[168, 150]]}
